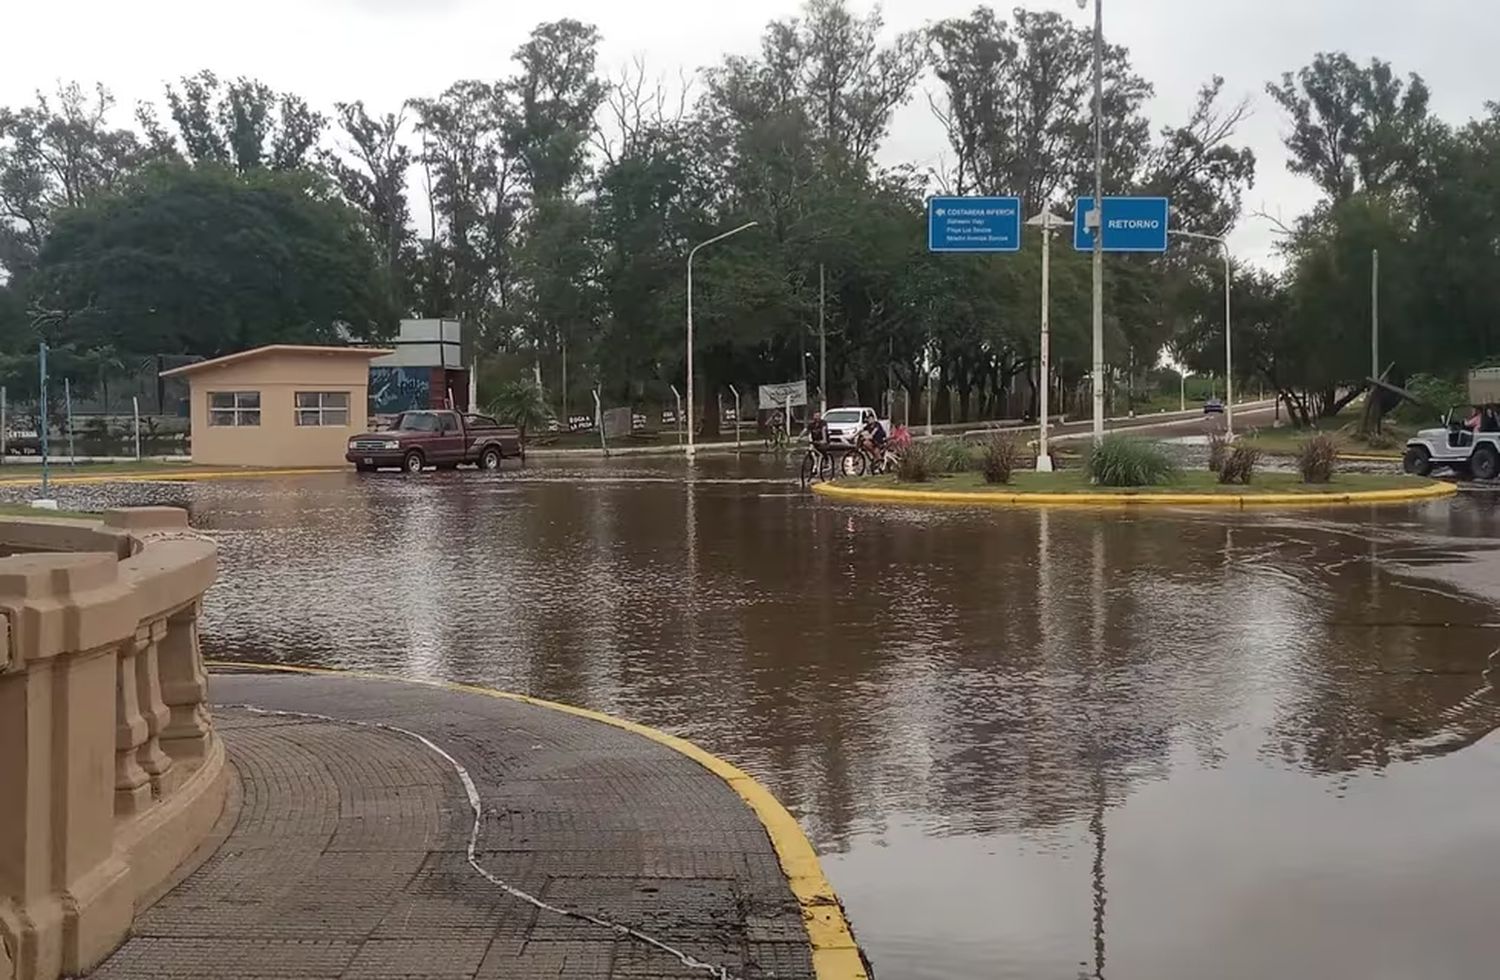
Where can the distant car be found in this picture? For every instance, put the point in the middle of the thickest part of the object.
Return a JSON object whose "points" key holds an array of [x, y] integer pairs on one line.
{"points": [[1213, 407], [844, 424]]}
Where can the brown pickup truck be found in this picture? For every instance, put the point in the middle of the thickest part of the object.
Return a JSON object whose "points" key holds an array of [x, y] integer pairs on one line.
{"points": [[446, 440]]}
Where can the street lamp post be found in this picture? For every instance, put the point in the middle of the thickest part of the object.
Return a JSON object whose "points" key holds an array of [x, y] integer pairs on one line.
{"points": [[1047, 221], [692, 252], [1228, 324], [1097, 217]]}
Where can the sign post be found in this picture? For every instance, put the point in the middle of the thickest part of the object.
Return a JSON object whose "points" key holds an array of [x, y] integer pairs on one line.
{"points": [[974, 224]]}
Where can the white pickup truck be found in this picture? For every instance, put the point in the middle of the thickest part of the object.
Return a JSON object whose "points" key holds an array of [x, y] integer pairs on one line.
{"points": [[844, 424]]}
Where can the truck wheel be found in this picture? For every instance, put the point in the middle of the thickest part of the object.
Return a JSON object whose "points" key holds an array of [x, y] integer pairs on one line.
{"points": [[490, 458], [1485, 463], [1417, 461], [363, 468], [413, 462]]}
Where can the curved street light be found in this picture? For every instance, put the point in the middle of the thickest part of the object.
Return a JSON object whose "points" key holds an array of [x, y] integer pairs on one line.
{"points": [[691, 449]]}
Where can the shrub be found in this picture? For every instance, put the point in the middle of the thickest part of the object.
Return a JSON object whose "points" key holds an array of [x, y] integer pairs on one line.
{"points": [[952, 456], [1120, 461], [1218, 449], [1239, 465], [1001, 454], [918, 463], [1316, 458]]}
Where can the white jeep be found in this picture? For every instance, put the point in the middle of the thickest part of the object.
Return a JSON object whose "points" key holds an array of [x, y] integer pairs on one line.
{"points": [[1458, 447]]}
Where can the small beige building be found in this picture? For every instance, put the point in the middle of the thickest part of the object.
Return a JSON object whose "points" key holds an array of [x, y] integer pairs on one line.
{"points": [[281, 405]]}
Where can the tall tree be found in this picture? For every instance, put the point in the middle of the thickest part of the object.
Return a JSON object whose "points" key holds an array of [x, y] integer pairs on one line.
{"points": [[1353, 127], [58, 153], [371, 172], [242, 124]]}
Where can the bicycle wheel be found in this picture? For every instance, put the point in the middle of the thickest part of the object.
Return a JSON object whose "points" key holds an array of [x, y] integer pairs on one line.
{"points": [[853, 464], [825, 467], [809, 469]]}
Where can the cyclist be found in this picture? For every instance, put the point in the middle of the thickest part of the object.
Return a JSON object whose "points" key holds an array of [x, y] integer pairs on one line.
{"points": [[817, 432], [872, 437]]}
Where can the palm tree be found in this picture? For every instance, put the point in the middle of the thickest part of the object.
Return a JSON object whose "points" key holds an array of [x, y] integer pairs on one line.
{"points": [[522, 403]]}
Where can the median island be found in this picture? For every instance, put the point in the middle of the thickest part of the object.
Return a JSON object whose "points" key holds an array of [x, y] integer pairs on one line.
{"points": [[1124, 472]]}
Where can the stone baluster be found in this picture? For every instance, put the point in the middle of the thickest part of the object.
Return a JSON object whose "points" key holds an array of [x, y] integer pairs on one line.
{"points": [[132, 784], [156, 763], [184, 687]]}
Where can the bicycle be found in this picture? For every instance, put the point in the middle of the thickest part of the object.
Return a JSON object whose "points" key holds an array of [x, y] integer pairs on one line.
{"points": [[817, 464], [776, 440], [864, 459]]}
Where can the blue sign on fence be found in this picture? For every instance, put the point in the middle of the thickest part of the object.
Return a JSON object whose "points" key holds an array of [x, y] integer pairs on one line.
{"points": [[1131, 224], [974, 224]]}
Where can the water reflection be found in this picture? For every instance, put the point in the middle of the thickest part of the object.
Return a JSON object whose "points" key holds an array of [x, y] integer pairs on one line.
{"points": [[1206, 745]]}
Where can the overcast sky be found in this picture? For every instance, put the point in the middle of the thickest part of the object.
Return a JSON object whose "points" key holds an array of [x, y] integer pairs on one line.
{"points": [[384, 51]]}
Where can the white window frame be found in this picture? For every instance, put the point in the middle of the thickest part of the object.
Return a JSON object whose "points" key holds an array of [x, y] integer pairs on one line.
{"points": [[326, 413], [240, 410]]}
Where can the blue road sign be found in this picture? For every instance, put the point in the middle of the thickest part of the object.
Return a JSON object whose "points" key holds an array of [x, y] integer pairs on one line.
{"points": [[974, 224], [1131, 224]]}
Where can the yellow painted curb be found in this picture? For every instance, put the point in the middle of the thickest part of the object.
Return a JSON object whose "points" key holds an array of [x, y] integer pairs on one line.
{"points": [[835, 954], [1241, 500], [164, 475]]}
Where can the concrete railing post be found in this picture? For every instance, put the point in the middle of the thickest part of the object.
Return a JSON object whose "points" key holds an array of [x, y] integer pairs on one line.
{"points": [[184, 688], [154, 710], [58, 737]]}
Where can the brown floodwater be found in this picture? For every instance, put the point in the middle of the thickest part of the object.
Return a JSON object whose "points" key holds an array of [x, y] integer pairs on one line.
{"points": [[1028, 743]]}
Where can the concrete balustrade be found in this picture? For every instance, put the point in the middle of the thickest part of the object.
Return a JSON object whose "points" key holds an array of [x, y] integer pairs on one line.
{"points": [[110, 771]]}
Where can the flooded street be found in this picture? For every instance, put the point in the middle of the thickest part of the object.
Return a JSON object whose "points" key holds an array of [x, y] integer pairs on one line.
{"points": [[1029, 743]]}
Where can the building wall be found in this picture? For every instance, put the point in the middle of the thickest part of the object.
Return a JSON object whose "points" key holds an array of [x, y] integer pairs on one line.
{"points": [[279, 440]]}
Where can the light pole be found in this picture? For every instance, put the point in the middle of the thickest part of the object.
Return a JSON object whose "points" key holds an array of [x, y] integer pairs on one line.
{"points": [[1228, 324], [1046, 221], [692, 252], [1098, 215]]}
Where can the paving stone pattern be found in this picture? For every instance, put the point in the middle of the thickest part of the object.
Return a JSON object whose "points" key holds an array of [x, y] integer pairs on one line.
{"points": [[348, 856]]}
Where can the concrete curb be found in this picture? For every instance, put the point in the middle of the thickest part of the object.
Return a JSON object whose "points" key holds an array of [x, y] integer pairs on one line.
{"points": [[1431, 490], [835, 954]]}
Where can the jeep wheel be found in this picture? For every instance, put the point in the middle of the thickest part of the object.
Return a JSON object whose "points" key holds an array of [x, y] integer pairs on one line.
{"points": [[1485, 463], [490, 458], [413, 462], [1417, 461]]}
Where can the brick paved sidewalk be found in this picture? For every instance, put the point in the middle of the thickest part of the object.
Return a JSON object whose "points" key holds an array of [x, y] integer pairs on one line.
{"points": [[348, 856]]}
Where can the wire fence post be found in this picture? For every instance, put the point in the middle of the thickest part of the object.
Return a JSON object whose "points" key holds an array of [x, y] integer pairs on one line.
{"points": [[678, 395], [736, 392], [135, 402], [4, 426], [599, 421], [42, 426], [68, 404]]}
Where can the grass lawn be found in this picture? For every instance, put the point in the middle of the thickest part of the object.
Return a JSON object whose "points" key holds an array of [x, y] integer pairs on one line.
{"points": [[1345, 432], [1193, 481], [26, 510]]}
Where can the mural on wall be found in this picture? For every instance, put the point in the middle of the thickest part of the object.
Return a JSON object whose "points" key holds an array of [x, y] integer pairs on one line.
{"points": [[399, 389]]}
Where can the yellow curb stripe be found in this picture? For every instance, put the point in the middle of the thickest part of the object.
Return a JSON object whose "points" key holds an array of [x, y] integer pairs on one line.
{"points": [[166, 475], [835, 954], [1242, 500]]}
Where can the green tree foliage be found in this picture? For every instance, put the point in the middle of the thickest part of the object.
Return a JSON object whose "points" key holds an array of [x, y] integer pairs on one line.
{"points": [[207, 261], [242, 124]]}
